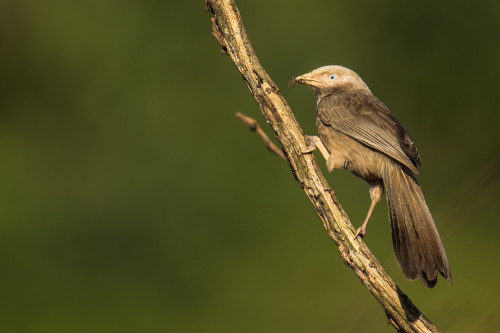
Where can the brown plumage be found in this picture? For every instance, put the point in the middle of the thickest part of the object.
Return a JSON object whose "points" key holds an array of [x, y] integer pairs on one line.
{"points": [[358, 133]]}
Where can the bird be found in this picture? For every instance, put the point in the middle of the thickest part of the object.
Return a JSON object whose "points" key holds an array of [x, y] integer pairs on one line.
{"points": [[358, 133]]}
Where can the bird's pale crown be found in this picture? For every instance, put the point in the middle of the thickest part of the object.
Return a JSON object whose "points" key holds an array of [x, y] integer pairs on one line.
{"points": [[327, 78]]}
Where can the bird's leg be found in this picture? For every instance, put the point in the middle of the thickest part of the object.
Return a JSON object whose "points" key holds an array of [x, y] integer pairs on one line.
{"points": [[376, 191], [313, 143], [332, 161]]}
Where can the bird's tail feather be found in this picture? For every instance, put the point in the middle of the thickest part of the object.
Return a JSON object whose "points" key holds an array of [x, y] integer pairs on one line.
{"points": [[415, 239]]}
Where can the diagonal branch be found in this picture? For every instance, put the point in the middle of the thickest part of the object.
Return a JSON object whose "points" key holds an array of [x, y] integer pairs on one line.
{"points": [[231, 35]]}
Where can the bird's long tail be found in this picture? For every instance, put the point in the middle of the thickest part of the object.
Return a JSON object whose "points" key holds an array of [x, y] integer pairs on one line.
{"points": [[415, 238]]}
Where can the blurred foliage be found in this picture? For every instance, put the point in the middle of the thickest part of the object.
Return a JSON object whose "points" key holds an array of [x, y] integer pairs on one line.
{"points": [[133, 200]]}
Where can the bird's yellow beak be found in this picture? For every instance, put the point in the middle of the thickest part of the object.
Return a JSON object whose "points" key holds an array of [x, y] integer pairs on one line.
{"points": [[307, 79]]}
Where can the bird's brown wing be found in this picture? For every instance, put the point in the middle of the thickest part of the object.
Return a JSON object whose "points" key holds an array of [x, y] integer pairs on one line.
{"points": [[364, 118]]}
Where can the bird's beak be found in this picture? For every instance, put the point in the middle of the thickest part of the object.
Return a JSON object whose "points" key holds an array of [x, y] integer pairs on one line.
{"points": [[306, 79]]}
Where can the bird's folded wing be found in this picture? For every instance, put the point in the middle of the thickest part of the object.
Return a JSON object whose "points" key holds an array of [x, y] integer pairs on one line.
{"points": [[364, 118]]}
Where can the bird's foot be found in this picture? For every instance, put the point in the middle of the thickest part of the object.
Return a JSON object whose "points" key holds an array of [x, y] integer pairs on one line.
{"points": [[311, 144], [360, 232]]}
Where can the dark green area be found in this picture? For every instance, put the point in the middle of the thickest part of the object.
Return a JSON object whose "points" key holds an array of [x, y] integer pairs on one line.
{"points": [[132, 199]]}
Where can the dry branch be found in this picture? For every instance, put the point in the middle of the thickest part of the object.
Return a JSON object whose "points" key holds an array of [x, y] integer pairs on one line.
{"points": [[231, 35], [254, 126]]}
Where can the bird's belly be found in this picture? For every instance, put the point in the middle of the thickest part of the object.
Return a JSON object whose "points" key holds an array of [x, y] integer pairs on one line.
{"points": [[357, 158]]}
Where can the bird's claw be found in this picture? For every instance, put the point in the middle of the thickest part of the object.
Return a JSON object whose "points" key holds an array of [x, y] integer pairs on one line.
{"points": [[309, 149], [311, 145], [360, 232]]}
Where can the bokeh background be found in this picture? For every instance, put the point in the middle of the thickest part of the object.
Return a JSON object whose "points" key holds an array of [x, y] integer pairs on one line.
{"points": [[132, 199]]}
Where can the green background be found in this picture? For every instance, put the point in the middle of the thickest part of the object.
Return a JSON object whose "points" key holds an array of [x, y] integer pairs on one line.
{"points": [[132, 199]]}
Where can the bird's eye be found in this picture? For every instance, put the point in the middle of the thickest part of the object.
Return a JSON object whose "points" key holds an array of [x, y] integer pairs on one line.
{"points": [[332, 77]]}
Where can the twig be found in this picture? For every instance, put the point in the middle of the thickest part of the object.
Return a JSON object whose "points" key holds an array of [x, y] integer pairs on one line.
{"points": [[254, 126], [400, 311]]}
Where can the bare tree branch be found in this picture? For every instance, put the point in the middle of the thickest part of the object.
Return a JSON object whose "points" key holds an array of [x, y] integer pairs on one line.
{"points": [[254, 126], [231, 35]]}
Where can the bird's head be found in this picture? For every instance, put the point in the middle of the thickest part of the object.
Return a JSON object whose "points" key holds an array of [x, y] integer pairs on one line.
{"points": [[331, 78]]}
